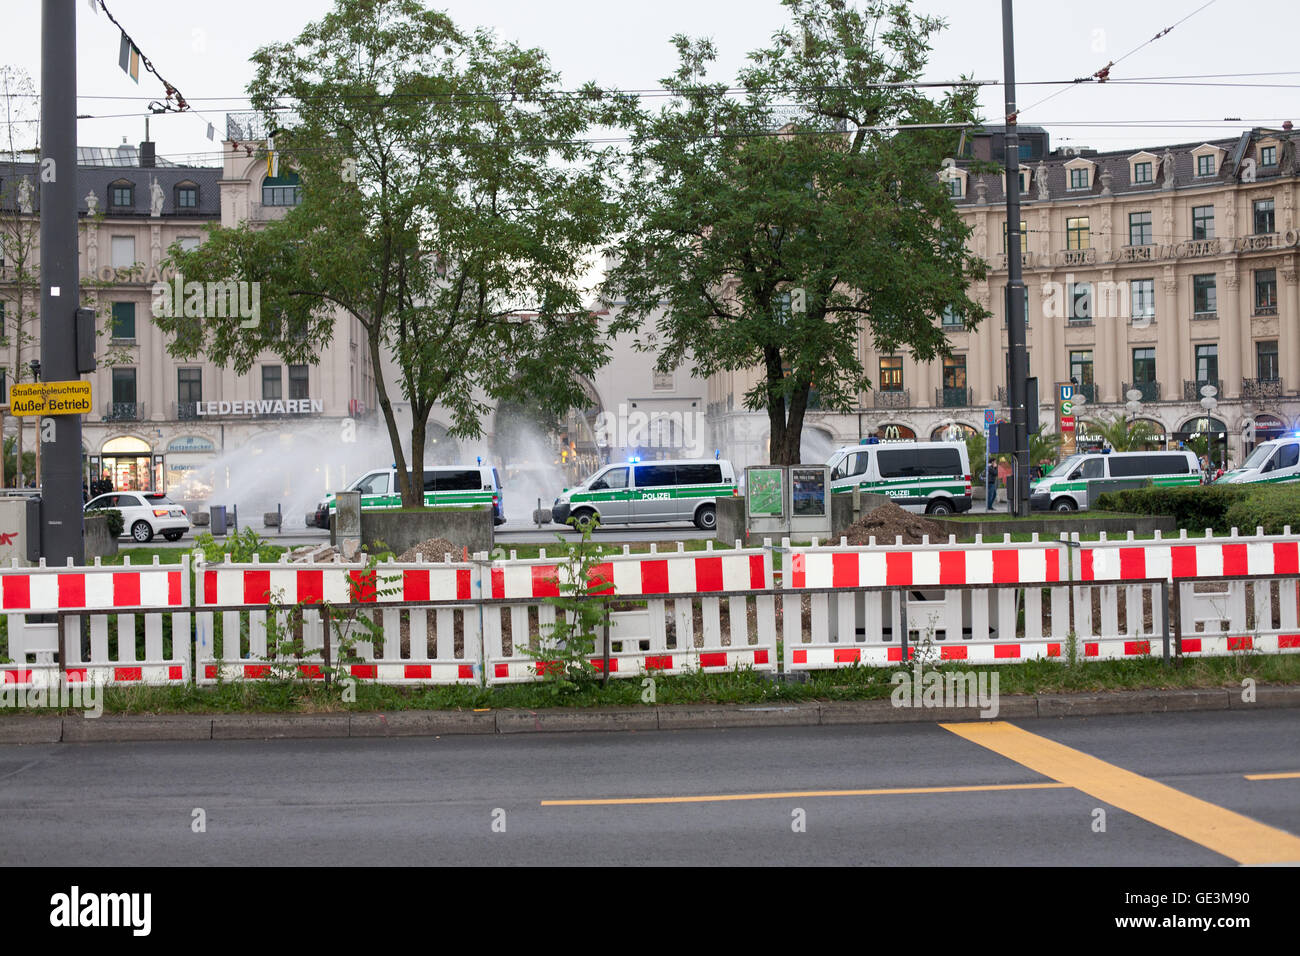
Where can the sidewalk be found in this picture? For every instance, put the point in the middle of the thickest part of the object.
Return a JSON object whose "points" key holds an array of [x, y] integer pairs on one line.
{"points": [[433, 723]]}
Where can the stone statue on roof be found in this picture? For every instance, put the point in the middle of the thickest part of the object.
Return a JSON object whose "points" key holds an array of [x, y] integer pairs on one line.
{"points": [[155, 197], [1041, 175], [25, 196], [1167, 169]]}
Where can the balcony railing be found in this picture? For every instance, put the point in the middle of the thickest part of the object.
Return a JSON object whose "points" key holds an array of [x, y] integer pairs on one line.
{"points": [[899, 398], [1150, 391], [955, 397], [1088, 391], [187, 411], [1261, 388], [1266, 310], [1192, 390], [124, 411], [1204, 316]]}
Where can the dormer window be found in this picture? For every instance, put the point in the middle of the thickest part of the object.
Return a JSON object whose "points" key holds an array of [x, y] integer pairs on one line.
{"points": [[1142, 168], [954, 181], [1208, 159], [1205, 165], [121, 194], [1078, 179], [187, 197], [1268, 155], [1142, 173], [1079, 173], [1026, 179]]}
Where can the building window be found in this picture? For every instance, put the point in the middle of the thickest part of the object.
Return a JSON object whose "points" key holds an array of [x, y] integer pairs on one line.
{"points": [[1141, 173], [1205, 165], [1265, 291], [188, 243], [1139, 228], [1143, 295], [954, 371], [1263, 216], [891, 373], [1081, 367], [1202, 222], [1078, 179], [123, 252], [1266, 360], [1081, 302], [1205, 296], [1144, 366], [1076, 233], [189, 385], [123, 320], [662, 381], [187, 196], [1207, 363], [951, 319], [298, 382], [281, 190], [124, 386], [1023, 236], [1024, 182], [1268, 155], [271, 382], [3, 330], [954, 187], [121, 195]]}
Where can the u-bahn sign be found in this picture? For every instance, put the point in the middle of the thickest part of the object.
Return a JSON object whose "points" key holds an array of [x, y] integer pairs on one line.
{"points": [[50, 398]]}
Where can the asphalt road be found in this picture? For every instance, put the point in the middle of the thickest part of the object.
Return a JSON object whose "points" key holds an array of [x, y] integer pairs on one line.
{"points": [[435, 800]]}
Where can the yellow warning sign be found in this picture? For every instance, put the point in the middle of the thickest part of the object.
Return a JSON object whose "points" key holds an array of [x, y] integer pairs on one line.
{"points": [[50, 398]]}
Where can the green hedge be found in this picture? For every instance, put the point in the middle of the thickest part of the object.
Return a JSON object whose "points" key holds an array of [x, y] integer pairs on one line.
{"points": [[115, 523], [1220, 507]]}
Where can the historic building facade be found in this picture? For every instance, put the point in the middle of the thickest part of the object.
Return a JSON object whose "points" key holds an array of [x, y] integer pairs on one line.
{"points": [[1157, 271]]}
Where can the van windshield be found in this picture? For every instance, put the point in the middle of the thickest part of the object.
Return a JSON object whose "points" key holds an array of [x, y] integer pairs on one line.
{"points": [[1258, 456], [1065, 467]]}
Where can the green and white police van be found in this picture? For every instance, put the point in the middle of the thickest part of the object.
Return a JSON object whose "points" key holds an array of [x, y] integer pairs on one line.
{"points": [[1067, 487], [651, 492], [1271, 462], [444, 485], [932, 477]]}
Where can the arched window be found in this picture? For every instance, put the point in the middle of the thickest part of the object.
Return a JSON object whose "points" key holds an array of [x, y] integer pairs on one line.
{"points": [[282, 190]]}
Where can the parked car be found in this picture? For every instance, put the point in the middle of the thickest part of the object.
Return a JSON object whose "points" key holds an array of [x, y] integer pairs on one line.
{"points": [[145, 514]]}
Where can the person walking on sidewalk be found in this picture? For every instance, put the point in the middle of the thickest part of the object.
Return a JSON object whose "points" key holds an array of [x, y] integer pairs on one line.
{"points": [[991, 483]]}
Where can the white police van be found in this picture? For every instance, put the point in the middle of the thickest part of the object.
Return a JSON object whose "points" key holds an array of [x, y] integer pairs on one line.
{"points": [[444, 485], [932, 477], [650, 492], [1272, 462]]}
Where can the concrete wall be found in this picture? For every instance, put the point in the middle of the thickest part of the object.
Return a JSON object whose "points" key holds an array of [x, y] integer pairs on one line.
{"points": [[1050, 527], [843, 513], [399, 530], [99, 543]]}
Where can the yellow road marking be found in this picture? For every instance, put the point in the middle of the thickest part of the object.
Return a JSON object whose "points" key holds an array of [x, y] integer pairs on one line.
{"points": [[794, 794], [1223, 831], [1272, 776]]}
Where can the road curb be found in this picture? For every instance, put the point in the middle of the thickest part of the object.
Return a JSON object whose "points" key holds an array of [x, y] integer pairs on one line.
{"points": [[437, 723]]}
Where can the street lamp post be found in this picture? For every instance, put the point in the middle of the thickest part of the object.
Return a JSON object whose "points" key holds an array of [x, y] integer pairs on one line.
{"points": [[1210, 403]]}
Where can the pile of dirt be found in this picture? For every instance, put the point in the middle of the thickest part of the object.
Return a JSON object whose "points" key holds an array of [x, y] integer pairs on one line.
{"points": [[889, 521], [434, 549]]}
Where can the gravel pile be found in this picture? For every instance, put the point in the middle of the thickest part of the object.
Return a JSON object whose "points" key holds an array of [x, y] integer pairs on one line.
{"points": [[434, 549], [889, 521]]}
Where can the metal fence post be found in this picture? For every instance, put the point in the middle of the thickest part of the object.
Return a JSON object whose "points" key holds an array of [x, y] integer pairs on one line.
{"points": [[901, 595], [1164, 603]]}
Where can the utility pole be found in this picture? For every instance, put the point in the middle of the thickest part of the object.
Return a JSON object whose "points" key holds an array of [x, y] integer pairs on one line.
{"points": [[1018, 370], [61, 515]]}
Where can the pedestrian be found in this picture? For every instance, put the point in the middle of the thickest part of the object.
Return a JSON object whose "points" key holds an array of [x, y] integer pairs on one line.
{"points": [[991, 483]]}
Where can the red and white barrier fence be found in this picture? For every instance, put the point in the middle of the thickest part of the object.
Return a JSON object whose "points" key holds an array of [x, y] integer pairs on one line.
{"points": [[120, 649]]}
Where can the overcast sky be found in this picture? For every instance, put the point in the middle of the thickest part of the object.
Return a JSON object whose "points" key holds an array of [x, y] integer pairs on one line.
{"points": [[203, 49]]}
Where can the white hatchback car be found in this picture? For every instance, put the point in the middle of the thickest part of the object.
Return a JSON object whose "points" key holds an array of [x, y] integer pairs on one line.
{"points": [[145, 513]]}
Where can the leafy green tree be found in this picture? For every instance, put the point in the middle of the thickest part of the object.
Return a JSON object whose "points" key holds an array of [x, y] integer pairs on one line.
{"points": [[1043, 447], [780, 238], [450, 195]]}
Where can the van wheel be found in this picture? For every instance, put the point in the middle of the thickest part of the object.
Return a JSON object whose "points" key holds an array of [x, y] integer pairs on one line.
{"points": [[583, 519], [1064, 504], [706, 519], [941, 507]]}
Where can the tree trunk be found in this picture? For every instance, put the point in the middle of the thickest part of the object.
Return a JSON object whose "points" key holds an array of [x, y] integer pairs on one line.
{"points": [[386, 406], [786, 431], [419, 428]]}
